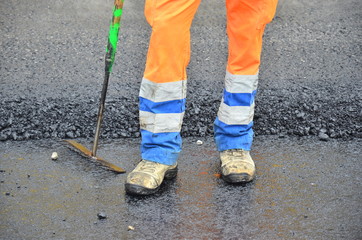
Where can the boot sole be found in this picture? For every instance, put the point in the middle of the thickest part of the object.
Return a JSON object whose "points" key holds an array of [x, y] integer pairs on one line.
{"points": [[238, 178], [134, 189]]}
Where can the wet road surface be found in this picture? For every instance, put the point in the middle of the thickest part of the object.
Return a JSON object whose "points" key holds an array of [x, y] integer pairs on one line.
{"points": [[303, 190]]}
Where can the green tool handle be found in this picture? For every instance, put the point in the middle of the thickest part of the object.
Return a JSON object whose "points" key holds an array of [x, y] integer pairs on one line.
{"points": [[109, 60], [113, 34]]}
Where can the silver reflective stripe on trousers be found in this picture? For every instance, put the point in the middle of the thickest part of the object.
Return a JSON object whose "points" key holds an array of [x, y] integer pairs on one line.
{"points": [[240, 83], [162, 92], [238, 115], [161, 122]]}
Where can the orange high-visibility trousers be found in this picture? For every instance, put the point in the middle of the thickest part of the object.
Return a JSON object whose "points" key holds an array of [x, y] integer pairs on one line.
{"points": [[163, 87]]}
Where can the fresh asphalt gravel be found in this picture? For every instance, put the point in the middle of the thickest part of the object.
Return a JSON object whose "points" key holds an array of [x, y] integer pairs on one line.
{"points": [[52, 70]]}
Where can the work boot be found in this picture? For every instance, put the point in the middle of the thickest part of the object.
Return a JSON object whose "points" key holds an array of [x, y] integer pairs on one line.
{"points": [[237, 166], [147, 177]]}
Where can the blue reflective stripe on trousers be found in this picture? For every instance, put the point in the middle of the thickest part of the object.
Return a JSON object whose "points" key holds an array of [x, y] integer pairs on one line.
{"points": [[158, 145], [239, 99], [233, 136], [161, 147], [173, 106]]}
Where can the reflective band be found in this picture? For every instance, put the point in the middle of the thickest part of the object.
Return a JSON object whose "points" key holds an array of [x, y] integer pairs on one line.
{"points": [[239, 99], [175, 106], [240, 83], [236, 115], [161, 92], [158, 123]]}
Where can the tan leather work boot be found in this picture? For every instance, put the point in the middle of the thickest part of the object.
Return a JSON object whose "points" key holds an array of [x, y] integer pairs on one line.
{"points": [[147, 177], [237, 166]]}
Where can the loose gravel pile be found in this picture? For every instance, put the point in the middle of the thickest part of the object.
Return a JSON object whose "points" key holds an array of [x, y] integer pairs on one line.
{"points": [[327, 113]]}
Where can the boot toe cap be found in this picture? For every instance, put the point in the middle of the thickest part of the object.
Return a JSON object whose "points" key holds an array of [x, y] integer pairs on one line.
{"points": [[238, 172], [142, 179]]}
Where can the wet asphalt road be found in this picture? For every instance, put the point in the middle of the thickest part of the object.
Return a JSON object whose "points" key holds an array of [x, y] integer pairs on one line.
{"points": [[299, 193], [51, 69]]}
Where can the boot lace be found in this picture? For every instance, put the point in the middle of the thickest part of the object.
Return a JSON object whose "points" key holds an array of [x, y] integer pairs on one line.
{"points": [[148, 166], [236, 152]]}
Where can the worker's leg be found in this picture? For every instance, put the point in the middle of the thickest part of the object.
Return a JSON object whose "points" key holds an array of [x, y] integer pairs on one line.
{"points": [[246, 20], [163, 93], [163, 88]]}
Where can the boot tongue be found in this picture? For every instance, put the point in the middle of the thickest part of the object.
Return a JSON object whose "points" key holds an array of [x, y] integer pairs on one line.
{"points": [[148, 167]]}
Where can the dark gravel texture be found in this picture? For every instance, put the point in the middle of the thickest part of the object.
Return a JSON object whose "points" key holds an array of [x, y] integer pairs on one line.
{"points": [[51, 70], [281, 114]]}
